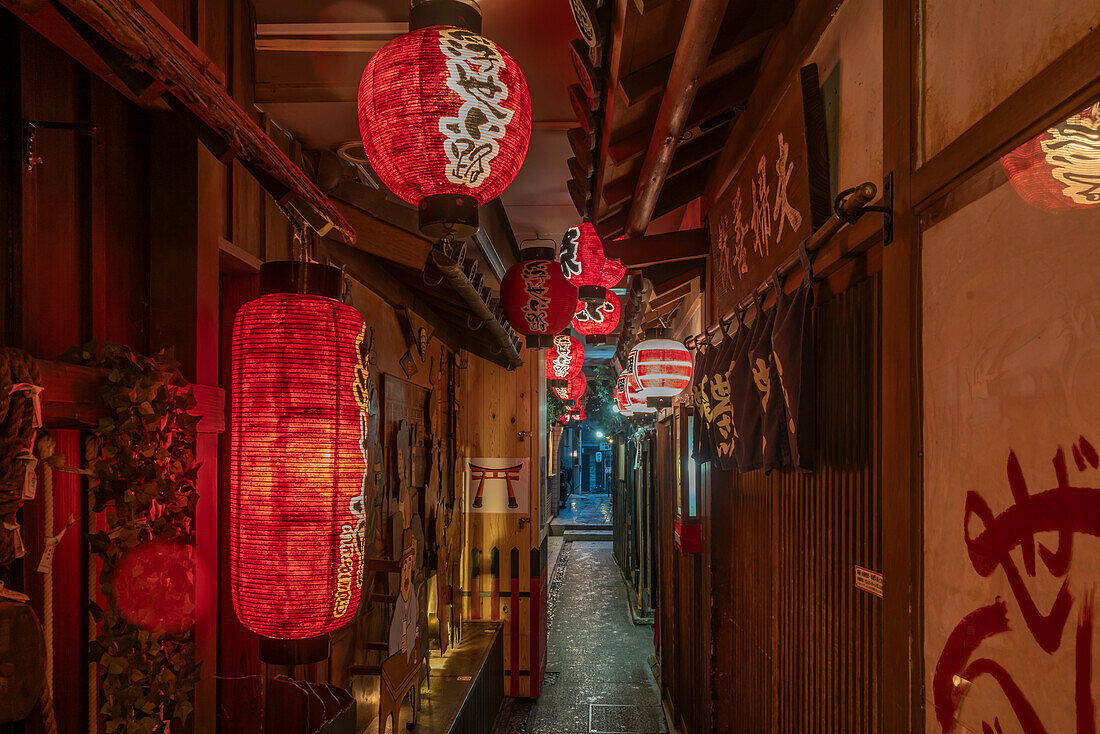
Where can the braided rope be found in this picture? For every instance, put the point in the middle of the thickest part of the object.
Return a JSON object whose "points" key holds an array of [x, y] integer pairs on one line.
{"points": [[17, 435]]}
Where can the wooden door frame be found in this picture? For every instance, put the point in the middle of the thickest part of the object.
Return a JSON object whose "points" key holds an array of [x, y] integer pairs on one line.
{"points": [[1062, 88]]}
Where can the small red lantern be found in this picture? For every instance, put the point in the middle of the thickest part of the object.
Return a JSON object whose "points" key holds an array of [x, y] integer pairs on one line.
{"points": [[564, 359], [586, 266], [1060, 169], [595, 321], [299, 413], [575, 388], [445, 117], [662, 367], [537, 299]]}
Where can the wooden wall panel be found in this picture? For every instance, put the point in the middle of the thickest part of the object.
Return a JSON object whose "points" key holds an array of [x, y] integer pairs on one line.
{"points": [[796, 645]]}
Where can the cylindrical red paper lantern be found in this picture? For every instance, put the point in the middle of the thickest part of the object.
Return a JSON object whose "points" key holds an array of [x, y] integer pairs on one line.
{"points": [[564, 359], [575, 388], [595, 321], [537, 299], [296, 483], [584, 263], [662, 367], [445, 117], [1060, 169]]}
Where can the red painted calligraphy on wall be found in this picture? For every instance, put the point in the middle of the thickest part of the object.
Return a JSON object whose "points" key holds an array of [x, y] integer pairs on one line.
{"points": [[1067, 509]]}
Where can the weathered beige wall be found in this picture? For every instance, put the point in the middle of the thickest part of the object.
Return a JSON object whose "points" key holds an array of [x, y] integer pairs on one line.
{"points": [[977, 52], [1011, 349], [851, 49]]}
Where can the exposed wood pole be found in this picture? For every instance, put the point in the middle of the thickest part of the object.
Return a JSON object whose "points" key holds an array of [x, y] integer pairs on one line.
{"points": [[704, 18]]}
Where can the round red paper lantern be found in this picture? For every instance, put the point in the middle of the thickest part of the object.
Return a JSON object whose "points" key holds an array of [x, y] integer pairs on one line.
{"points": [[662, 367], [445, 117], [1059, 169], [296, 509], [574, 389], [595, 321], [537, 299], [564, 360], [586, 266]]}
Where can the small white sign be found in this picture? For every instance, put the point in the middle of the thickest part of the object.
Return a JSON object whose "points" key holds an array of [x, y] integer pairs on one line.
{"points": [[869, 581]]}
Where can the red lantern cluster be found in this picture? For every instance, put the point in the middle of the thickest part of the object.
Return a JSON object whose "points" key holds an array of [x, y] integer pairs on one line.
{"points": [[597, 320], [445, 117], [296, 509], [537, 299], [584, 263], [564, 360], [1060, 169]]}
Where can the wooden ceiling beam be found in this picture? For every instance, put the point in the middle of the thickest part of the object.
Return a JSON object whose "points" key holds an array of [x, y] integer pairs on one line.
{"points": [[786, 53], [581, 144], [582, 108], [731, 52], [623, 26], [677, 191], [641, 252], [691, 153], [704, 18], [384, 240]]}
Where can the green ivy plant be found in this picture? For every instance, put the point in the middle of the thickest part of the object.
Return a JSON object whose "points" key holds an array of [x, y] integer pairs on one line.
{"points": [[143, 485], [599, 402]]}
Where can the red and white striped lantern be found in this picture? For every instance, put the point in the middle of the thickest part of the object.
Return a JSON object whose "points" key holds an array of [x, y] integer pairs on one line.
{"points": [[299, 415], [662, 367], [635, 402], [585, 264], [564, 359], [445, 118], [1060, 168]]}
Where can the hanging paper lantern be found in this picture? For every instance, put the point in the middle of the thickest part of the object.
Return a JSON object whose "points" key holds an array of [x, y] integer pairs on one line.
{"points": [[537, 299], [586, 266], [1060, 169], [620, 395], [574, 389], [564, 360], [445, 117], [299, 413], [595, 321], [635, 402], [662, 367]]}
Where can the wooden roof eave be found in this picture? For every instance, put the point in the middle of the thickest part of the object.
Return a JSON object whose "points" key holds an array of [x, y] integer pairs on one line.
{"points": [[153, 58]]}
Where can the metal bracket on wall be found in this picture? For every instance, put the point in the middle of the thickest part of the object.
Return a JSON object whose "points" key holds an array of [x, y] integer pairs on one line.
{"points": [[886, 208], [30, 137]]}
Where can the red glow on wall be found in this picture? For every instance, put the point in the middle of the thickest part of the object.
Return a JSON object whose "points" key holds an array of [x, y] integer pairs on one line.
{"points": [[443, 110], [598, 319], [536, 297], [154, 585], [296, 510], [565, 358], [584, 263], [1060, 168]]}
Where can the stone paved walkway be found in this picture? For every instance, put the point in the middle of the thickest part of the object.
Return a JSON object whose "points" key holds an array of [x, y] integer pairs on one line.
{"points": [[585, 509], [604, 683]]}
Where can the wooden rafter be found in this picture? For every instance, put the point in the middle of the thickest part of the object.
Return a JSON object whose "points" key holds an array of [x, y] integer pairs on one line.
{"points": [[163, 60], [659, 249], [701, 148], [677, 191]]}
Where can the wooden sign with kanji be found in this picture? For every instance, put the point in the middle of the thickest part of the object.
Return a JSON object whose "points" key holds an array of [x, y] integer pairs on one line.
{"points": [[778, 197]]}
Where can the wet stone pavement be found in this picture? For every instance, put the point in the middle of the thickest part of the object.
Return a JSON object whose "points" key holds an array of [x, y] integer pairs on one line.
{"points": [[585, 510], [598, 678]]}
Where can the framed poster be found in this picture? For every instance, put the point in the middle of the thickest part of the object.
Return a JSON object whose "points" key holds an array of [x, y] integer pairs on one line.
{"points": [[500, 486]]}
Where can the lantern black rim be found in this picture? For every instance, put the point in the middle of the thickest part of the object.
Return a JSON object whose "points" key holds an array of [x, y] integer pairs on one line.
{"points": [[658, 402], [448, 214], [298, 276], [557, 382], [445, 12], [540, 341], [294, 652], [592, 294]]}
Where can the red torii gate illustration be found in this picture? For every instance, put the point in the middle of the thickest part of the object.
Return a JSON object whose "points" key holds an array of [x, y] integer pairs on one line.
{"points": [[509, 475]]}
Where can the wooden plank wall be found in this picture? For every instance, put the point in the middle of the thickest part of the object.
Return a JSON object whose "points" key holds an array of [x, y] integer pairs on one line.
{"points": [[796, 646], [504, 566]]}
